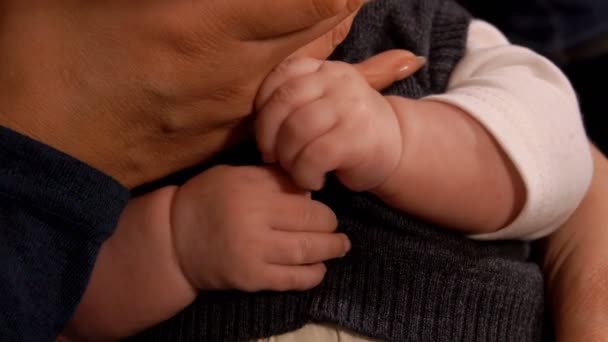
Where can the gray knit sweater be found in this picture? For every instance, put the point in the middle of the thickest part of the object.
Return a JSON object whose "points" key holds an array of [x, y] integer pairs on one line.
{"points": [[405, 279]]}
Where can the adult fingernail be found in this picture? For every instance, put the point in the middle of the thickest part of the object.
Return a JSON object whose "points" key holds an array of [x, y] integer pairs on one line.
{"points": [[421, 59], [404, 68]]}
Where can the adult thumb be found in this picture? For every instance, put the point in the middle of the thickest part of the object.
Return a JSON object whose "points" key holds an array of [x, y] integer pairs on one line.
{"points": [[293, 19]]}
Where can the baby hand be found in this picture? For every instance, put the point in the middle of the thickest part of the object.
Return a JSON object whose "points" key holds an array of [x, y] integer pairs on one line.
{"points": [[249, 228], [244, 228], [318, 116]]}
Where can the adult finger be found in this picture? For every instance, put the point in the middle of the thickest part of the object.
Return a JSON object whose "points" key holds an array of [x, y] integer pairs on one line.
{"points": [[385, 68], [302, 20], [324, 46]]}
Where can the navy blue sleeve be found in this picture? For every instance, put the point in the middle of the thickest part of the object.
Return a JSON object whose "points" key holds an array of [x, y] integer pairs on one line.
{"points": [[55, 212]]}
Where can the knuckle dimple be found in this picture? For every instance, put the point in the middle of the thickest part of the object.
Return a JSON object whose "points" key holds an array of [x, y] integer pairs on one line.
{"points": [[292, 125], [285, 251], [325, 151], [344, 74], [303, 251], [299, 128], [284, 94], [284, 67], [307, 217], [347, 78], [293, 65]]}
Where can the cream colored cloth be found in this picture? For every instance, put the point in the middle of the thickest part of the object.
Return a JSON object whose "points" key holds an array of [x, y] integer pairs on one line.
{"points": [[318, 333]]}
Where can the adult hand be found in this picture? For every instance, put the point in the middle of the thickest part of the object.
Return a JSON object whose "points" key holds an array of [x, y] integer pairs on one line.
{"points": [[140, 89], [576, 265]]}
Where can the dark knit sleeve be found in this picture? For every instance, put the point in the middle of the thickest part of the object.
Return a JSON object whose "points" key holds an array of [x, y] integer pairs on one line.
{"points": [[55, 212], [450, 20]]}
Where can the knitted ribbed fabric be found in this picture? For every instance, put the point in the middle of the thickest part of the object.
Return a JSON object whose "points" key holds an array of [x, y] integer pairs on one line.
{"points": [[55, 213], [405, 279]]}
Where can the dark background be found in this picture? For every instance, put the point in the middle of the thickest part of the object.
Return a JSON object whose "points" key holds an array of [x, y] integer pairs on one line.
{"points": [[572, 33]]}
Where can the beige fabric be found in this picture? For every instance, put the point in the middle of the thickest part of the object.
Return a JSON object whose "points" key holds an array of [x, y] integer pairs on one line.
{"points": [[318, 333]]}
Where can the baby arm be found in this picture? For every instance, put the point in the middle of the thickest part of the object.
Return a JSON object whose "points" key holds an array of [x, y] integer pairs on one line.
{"points": [[436, 157], [137, 281], [529, 107], [245, 228]]}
